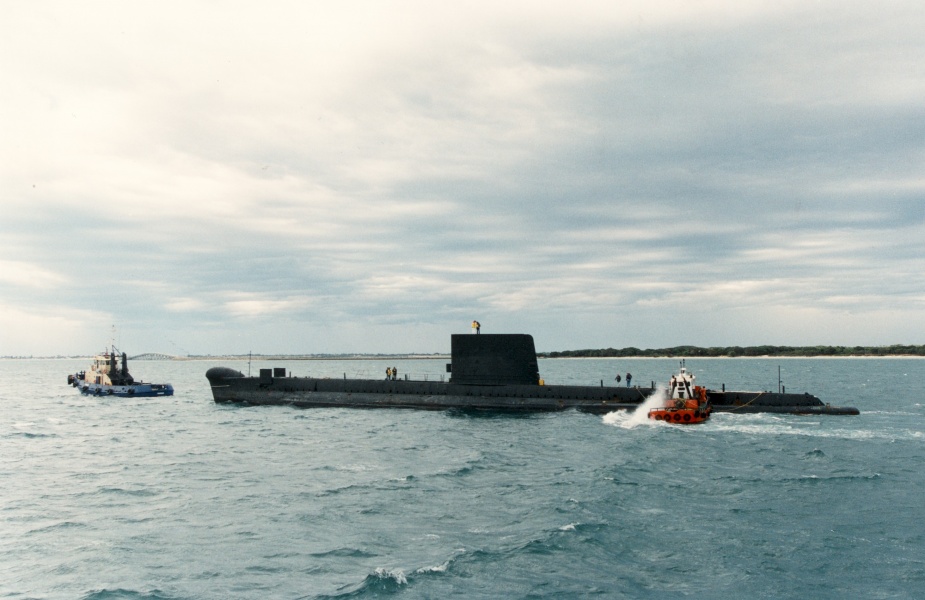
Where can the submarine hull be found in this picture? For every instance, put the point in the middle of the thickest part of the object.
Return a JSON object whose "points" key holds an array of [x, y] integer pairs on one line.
{"points": [[308, 392], [774, 402], [494, 372], [230, 386]]}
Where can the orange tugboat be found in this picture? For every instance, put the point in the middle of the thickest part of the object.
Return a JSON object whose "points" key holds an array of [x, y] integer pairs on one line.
{"points": [[687, 403]]}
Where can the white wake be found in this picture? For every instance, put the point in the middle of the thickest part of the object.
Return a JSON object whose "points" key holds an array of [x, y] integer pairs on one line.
{"points": [[640, 416]]}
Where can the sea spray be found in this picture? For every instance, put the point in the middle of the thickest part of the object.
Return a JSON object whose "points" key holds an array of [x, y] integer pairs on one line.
{"points": [[639, 416]]}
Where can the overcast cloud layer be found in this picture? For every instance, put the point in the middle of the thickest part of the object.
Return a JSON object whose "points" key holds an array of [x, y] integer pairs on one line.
{"points": [[370, 177]]}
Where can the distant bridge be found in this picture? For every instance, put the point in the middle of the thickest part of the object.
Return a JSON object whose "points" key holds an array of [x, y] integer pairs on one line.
{"points": [[152, 356]]}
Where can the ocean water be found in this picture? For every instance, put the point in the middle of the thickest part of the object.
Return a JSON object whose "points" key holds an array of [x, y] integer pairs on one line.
{"points": [[179, 498]]}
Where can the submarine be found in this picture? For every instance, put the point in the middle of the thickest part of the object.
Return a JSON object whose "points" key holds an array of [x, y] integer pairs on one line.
{"points": [[490, 372]]}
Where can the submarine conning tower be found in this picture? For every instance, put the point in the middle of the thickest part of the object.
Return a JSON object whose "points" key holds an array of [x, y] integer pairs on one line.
{"points": [[493, 359]]}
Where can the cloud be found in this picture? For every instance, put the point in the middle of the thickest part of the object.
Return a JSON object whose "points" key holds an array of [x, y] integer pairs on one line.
{"points": [[29, 275], [26, 332], [250, 305], [604, 173]]}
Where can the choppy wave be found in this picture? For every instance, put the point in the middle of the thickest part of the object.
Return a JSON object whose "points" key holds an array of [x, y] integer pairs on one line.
{"points": [[343, 553], [464, 563], [381, 581], [57, 526], [123, 594], [27, 430], [182, 499]]}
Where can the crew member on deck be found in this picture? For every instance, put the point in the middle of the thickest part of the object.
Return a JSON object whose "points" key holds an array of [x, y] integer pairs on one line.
{"points": [[476, 325], [388, 373], [394, 373], [629, 378]]}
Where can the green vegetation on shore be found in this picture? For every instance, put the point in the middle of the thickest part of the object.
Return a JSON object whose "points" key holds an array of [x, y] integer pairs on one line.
{"points": [[732, 351], [677, 351]]}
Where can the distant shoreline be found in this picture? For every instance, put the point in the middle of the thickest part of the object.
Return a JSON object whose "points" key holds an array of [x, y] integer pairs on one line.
{"points": [[609, 353], [765, 351], [785, 357]]}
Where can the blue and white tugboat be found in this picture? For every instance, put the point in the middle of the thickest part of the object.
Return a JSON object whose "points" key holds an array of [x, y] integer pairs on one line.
{"points": [[109, 376]]}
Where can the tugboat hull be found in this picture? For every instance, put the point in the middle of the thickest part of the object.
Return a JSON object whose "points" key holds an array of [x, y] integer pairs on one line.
{"points": [[134, 391], [684, 416]]}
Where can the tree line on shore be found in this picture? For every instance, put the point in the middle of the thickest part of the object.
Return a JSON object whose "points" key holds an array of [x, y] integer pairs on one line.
{"points": [[734, 351]]}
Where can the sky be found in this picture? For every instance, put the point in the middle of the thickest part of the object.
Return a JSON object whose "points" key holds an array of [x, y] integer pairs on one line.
{"points": [[206, 177]]}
